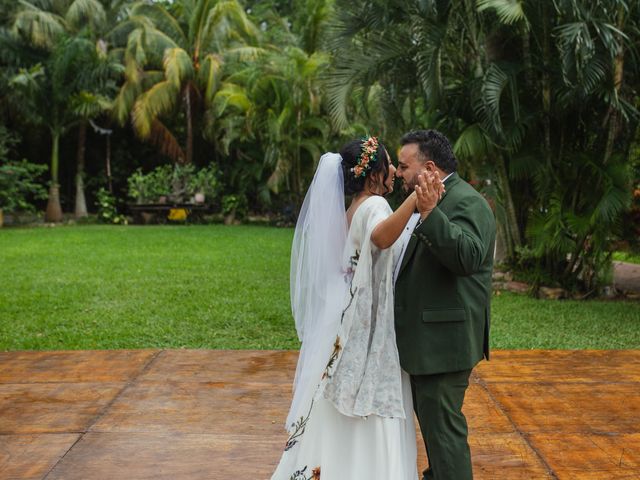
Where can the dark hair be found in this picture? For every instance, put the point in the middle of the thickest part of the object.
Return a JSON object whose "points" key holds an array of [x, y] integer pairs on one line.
{"points": [[433, 146], [350, 153]]}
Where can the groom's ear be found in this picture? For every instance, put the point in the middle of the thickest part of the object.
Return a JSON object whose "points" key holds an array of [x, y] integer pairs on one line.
{"points": [[429, 166]]}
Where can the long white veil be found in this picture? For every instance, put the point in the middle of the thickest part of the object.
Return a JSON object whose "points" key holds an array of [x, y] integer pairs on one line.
{"points": [[318, 287]]}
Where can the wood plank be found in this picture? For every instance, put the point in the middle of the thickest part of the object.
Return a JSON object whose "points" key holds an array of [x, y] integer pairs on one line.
{"points": [[237, 366], [591, 457], [73, 366], [571, 407], [564, 366], [53, 407], [483, 415], [220, 408], [30, 457], [219, 414], [498, 456], [168, 456]]}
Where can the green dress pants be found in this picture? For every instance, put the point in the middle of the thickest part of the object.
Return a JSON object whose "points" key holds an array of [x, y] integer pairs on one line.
{"points": [[437, 401]]}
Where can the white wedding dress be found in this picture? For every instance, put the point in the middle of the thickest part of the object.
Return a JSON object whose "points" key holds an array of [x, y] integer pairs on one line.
{"points": [[359, 424]]}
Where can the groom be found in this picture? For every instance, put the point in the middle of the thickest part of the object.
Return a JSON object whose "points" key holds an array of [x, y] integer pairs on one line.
{"points": [[443, 295]]}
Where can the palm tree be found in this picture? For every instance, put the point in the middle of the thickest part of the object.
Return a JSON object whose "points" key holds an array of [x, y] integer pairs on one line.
{"points": [[175, 56], [63, 36], [537, 96], [277, 102]]}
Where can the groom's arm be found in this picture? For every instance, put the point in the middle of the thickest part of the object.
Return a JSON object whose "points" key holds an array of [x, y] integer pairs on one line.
{"points": [[460, 242]]}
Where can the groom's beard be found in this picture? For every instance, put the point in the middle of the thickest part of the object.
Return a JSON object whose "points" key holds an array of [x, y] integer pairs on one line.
{"points": [[410, 186]]}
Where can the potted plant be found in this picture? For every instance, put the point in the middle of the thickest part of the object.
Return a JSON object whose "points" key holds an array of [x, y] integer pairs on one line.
{"points": [[205, 184], [138, 186], [180, 179], [150, 188]]}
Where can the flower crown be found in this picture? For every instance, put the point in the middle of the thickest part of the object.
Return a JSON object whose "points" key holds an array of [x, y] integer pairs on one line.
{"points": [[369, 154]]}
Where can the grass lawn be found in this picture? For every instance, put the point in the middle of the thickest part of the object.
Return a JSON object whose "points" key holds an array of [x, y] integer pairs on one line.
{"points": [[626, 257], [103, 287]]}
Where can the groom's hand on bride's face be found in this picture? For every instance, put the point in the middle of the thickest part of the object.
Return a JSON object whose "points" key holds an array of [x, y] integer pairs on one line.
{"points": [[428, 191]]}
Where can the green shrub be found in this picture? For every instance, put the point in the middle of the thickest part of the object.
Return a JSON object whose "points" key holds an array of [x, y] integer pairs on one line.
{"points": [[178, 183], [235, 206], [107, 211], [206, 181], [19, 186]]}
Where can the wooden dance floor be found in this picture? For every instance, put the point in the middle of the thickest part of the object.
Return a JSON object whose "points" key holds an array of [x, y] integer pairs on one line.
{"points": [[202, 414]]}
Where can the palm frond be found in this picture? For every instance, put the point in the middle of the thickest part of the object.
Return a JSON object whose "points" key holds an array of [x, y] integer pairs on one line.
{"points": [[124, 101], [158, 100], [89, 105], [473, 144], [226, 23], [209, 76], [355, 67], [38, 27], [82, 12], [178, 66], [163, 21], [244, 53], [161, 137], [508, 11], [28, 80], [231, 95]]}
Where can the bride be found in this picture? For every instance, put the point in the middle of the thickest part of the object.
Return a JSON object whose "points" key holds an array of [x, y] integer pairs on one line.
{"points": [[351, 416]]}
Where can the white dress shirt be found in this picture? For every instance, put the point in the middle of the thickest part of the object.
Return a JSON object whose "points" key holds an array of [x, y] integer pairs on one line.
{"points": [[413, 222]]}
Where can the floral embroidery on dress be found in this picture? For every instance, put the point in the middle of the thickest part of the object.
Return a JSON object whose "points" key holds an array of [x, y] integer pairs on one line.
{"points": [[301, 474], [298, 431], [332, 359], [351, 269]]}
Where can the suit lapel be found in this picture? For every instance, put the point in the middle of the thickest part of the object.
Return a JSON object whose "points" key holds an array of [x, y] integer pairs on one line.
{"points": [[411, 246], [449, 183]]}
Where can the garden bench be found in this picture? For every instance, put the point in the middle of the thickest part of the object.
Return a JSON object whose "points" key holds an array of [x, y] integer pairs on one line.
{"points": [[162, 211]]}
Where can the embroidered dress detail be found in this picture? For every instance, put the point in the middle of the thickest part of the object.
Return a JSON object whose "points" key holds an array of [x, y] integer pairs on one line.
{"points": [[360, 424]]}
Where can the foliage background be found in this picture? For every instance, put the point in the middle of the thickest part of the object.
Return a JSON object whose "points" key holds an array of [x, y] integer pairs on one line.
{"points": [[539, 98]]}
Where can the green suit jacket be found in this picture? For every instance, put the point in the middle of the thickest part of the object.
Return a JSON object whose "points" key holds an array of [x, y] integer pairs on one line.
{"points": [[443, 290]]}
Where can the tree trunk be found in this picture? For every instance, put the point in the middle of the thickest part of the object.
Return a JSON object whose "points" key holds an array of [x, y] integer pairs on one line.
{"points": [[501, 253], [510, 231], [546, 83], [108, 162], [297, 166], [54, 210], [81, 203], [474, 37], [618, 69], [187, 98]]}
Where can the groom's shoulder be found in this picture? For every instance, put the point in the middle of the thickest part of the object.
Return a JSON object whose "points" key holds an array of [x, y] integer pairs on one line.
{"points": [[466, 193], [462, 188]]}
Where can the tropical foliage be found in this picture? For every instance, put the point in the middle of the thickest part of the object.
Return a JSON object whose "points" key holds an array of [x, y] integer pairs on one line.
{"points": [[540, 99]]}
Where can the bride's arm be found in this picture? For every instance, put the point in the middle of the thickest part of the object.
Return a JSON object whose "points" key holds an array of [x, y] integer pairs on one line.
{"points": [[388, 230]]}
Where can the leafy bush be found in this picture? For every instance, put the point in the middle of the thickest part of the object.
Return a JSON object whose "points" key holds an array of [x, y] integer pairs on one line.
{"points": [[571, 237], [206, 181], [179, 183], [150, 187], [236, 206], [19, 180], [107, 211], [19, 186]]}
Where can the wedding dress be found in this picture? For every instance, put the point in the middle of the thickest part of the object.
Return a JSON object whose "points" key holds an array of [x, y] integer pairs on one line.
{"points": [[353, 418]]}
